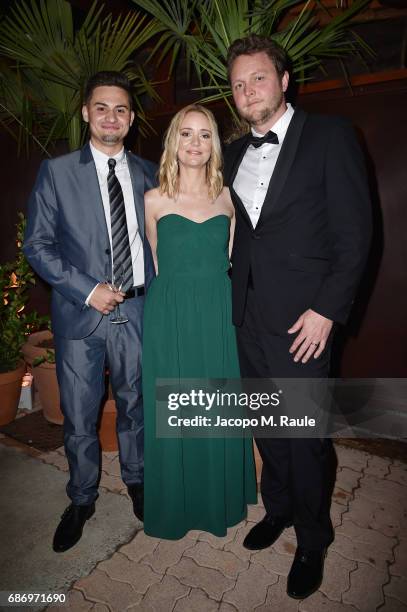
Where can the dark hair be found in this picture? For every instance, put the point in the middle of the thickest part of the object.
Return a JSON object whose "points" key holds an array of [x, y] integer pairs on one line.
{"points": [[257, 44], [111, 78]]}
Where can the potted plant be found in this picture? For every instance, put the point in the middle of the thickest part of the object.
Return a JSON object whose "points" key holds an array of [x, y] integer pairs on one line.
{"points": [[16, 279], [39, 355]]}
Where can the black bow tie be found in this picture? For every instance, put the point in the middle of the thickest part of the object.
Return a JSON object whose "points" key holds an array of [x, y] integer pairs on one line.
{"points": [[257, 142]]}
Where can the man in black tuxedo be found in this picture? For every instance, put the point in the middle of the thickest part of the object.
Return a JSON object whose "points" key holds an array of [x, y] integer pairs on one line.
{"points": [[302, 234]]}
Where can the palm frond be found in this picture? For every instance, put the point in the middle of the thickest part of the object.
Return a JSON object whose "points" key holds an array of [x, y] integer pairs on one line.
{"points": [[15, 111], [54, 59], [174, 19], [204, 31]]}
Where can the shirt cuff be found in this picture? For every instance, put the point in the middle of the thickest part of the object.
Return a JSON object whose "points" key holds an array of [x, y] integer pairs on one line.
{"points": [[90, 295]]}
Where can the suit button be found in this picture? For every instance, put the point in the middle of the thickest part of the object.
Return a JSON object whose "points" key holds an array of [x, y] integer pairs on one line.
{"points": [[107, 251], [255, 237]]}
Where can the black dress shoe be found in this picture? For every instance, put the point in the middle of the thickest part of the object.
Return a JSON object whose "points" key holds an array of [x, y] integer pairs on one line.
{"points": [[136, 493], [265, 533], [306, 573], [69, 530]]}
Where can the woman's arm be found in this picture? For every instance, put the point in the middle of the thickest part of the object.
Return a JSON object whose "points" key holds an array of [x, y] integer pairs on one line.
{"points": [[231, 209], [150, 201], [232, 233]]}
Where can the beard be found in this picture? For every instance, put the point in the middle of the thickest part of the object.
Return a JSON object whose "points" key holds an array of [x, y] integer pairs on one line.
{"points": [[111, 138], [261, 116]]}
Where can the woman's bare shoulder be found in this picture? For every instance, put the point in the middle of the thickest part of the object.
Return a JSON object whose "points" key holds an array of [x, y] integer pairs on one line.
{"points": [[155, 202], [153, 197], [225, 194], [226, 200]]}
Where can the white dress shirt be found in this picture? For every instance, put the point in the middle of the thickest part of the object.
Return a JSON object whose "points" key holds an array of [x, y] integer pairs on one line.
{"points": [[123, 176], [257, 166]]}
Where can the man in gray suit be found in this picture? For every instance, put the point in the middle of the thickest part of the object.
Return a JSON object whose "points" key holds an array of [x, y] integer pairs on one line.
{"points": [[85, 237]]}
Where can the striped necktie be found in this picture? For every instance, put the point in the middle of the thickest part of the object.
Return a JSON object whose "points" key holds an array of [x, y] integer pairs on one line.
{"points": [[122, 264]]}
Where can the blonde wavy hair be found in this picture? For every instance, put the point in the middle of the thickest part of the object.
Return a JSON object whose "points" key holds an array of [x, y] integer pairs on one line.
{"points": [[168, 174]]}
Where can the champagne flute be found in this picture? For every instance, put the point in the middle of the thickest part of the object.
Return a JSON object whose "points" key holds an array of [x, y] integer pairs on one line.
{"points": [[118, 318]]}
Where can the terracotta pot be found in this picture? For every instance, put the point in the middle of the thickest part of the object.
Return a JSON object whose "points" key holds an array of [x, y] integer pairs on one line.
{"points": [[10, 389], [45, 378], [31, 350], [107, 430]]}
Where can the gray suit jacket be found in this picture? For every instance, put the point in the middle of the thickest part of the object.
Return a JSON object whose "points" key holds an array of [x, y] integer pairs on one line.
{"points": [[66, 239]]}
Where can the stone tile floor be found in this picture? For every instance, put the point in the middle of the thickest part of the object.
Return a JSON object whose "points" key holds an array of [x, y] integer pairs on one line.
{"points": [[365, 570]]}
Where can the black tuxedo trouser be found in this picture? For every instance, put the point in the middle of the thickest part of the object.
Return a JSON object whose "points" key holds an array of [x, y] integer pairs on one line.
{"points": [[295, 479]]}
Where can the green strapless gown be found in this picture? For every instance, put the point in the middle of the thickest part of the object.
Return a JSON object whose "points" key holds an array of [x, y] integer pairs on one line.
{"points": [[201, 483]]}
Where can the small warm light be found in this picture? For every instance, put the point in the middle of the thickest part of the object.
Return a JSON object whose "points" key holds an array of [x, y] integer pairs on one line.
{"points": [[27, 380], [26, 396], [14, 280], [20, 309]]}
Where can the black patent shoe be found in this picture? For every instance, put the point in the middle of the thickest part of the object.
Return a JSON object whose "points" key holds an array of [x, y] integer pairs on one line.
{"points": [[265, 533], [306, 573], [136, 493], [69, 530]]}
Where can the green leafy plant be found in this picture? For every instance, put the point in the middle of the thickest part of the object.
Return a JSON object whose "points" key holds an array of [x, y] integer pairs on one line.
{"points": [[16, 280], [48, 358], [46, 60], [205, 30]]}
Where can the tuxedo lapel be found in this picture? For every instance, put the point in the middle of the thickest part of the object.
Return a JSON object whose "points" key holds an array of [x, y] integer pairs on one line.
{"points": [[284, 163], [90, 182], [237, 160], [237, 157], [137, 180]]}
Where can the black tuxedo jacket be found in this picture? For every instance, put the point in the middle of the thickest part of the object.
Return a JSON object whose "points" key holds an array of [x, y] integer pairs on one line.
{"points": [[311, 242]]}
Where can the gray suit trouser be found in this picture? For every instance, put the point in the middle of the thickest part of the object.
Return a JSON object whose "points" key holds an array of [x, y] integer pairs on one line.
{"points": [[81, 376]]}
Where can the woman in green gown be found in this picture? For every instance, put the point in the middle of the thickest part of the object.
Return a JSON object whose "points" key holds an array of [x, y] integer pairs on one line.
{"points": [[191, 483]]}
